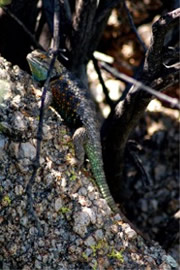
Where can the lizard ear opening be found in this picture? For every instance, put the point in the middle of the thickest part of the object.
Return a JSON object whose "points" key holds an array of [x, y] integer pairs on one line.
{"points": [[58, 68]]}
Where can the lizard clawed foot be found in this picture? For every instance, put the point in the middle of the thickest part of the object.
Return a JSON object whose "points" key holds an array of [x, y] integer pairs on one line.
{"points": [[79, 139]]}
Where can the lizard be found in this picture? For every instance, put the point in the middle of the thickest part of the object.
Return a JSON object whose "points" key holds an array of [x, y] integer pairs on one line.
{"points": [[75, 105], [73, 102]]}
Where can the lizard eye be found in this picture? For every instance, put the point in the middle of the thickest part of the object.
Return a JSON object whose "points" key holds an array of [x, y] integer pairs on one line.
{"points": [[42, 56]]}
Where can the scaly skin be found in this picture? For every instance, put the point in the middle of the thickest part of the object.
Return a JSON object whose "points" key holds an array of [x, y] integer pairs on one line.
{"points": [[76, 107]]}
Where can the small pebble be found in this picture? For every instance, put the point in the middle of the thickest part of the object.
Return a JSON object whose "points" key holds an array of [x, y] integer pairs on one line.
{"points": [[58, 204]]}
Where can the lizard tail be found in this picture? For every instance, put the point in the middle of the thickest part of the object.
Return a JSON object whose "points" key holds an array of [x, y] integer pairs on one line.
{"points": [[104, 189], [95, 159]]}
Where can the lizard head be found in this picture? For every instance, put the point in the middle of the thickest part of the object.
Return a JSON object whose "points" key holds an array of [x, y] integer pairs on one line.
{"points": [[39, 62]]}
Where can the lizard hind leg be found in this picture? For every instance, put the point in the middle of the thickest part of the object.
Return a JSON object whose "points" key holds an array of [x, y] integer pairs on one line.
{"points": [[79, 139]]}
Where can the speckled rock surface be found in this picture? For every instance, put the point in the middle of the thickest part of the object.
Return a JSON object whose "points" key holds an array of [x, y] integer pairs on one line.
{"points": [[79, 231]]}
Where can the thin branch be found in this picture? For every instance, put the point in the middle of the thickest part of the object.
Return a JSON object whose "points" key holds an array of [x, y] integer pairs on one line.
{"points": [[105, 90], [174, 103], [36, 163], [133, 27], [104, 8], [67, 9], [56, 23], [14, 17]]}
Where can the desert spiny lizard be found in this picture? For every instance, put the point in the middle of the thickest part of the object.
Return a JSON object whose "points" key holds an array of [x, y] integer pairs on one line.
{"points": [[76, 107]]}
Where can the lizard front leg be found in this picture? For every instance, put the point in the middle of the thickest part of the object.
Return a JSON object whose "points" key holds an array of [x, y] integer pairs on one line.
{"points": [[79, 139]]}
